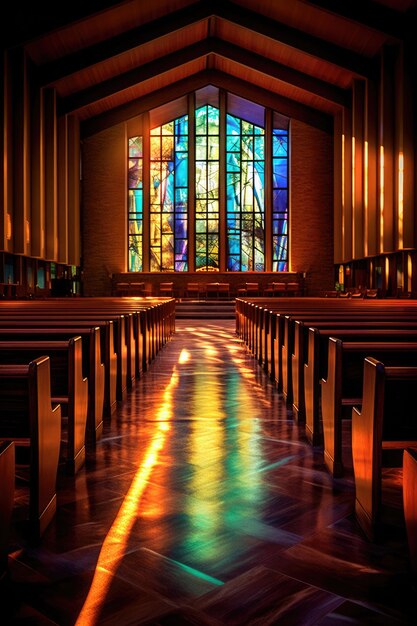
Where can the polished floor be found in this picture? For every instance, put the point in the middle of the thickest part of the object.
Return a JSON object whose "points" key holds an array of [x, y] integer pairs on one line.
{"points": [[204, 504]]}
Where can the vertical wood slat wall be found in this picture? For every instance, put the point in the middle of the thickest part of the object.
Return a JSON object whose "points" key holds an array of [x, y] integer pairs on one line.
{"points": [[377, 138], [40, 178]]}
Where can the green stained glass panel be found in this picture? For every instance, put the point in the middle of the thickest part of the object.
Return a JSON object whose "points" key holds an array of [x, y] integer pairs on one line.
{"points": [[136, 147]]}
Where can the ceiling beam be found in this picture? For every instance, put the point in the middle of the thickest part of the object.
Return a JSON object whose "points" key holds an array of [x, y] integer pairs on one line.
{"points": [[373, 15], [140, 74], [27, 21], [224, 9], [300, 40], [206, 47], [281, 72], [221, 80], [130, 40]]}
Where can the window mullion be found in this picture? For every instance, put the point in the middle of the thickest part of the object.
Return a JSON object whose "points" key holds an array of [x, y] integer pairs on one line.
{"points": [[222, 183]]}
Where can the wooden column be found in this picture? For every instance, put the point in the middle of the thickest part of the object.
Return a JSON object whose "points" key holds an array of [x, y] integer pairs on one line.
{"points": [[358, 110], [347, 185], [371, 170], [51, 194], [146, 193], [62, 168], [21, 166], [74, 222], [338, 188], [222, 182], [268, 190], [191, 182], [386, 151], [38, 175], [404, 148], [6, 223]]}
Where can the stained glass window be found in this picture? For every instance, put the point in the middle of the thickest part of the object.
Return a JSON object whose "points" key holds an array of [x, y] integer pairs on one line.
{"points": [[237, 176], [279, 200], [207, 124], [135, 204], [169, 196], [245, 167]]}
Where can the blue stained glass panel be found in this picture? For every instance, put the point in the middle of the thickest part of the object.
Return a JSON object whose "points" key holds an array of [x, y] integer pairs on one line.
{"points": [[280, 172], [233, 264], [181, 126], [245, 148], [181, 170], [280, 200]]}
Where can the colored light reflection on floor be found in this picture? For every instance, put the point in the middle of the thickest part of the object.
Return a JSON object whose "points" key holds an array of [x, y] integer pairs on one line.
{"points": [[115, 543]]}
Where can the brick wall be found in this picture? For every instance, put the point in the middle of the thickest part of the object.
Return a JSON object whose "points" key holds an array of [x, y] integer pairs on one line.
{"points": [[104, 219], [311, 210], [104, 213]]}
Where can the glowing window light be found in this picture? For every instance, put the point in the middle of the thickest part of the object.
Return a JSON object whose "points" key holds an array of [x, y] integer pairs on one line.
{"points": [[381, 198], [409, 272], [366, 193], [115, 543], [343, 186], [401, 200]]}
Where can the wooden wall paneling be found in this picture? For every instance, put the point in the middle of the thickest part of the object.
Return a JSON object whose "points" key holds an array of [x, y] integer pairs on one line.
{"points": [[21, 172], [347, 186], [62, 169], [8, 154], [51, 188], [3, 142], [74, 222], [405, 149], [338, 188], [37, 190], [371, 169], [386, 150], [358, 112]]}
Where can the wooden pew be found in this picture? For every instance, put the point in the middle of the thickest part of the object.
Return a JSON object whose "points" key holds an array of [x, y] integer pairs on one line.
{"points": [[61, 319], [249, 311], [149, 323], [316, 366], [385, 424], [28, 418], [93, 367], [7, 480], [295, 342], [57, 327], [68, 388], [342, 389], [332, 325], [410, 502]]}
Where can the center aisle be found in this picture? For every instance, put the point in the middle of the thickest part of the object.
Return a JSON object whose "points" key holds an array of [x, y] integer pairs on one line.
{"points": [[204, 504]]}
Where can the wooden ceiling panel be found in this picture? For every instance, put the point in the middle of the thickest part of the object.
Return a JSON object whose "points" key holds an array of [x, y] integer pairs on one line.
{"points": [[322, 24], [136, 57], [100, 27], [276, 86], [305, 51], [142, 89], [284, 54]]}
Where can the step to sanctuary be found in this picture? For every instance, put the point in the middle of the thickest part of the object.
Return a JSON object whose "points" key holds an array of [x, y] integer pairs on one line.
{"points": [[205, 309]]}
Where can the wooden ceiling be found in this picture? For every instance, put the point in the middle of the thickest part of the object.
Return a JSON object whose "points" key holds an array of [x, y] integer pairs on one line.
{"points": [[110, 61]]}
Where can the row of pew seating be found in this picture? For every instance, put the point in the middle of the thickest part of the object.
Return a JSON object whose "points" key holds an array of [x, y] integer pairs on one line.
{"points": [[62, 374], [346, 359]]}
